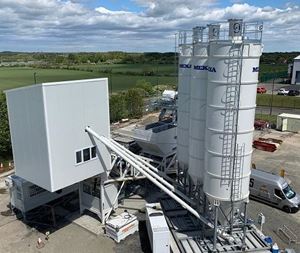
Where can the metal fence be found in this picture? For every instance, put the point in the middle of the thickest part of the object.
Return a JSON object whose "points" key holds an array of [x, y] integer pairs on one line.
{"points": [[264, 77]]}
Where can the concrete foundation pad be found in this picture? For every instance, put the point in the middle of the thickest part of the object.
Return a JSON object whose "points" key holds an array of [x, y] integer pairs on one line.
{"points": [[133, 205], [90, 224]]}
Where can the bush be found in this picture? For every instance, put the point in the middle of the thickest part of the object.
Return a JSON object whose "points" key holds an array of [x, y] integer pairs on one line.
{"points": [[117, 107], [5, 144], [134, 102], [146, 86], [128, 104]]}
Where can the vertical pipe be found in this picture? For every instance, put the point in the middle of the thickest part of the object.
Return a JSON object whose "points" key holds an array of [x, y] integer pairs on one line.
{"points": [[175, 58], [244, 227], [204, 210], [101, 200], [231, 221], [215, 230]]}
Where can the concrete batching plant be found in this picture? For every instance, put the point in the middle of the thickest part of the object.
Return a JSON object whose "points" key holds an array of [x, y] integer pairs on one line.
{"points": [[218, 75]]}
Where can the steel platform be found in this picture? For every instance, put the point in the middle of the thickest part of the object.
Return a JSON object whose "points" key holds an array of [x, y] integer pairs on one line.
{"points": [[188, 234]]}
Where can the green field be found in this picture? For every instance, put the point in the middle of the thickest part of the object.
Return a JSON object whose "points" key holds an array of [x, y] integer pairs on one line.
{"points": [[18, 77], [122, 76], [156, 69]]}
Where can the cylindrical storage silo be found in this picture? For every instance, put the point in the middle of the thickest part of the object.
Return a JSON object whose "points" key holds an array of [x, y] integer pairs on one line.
{"points": [[198, 106], [231, 101], [183, 105]]}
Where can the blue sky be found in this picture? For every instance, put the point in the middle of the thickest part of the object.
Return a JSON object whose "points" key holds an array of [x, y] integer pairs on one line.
{"points": [[135, 25]]}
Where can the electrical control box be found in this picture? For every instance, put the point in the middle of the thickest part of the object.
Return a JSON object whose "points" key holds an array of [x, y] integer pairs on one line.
{"points": [[157, 227], [26, 196]]}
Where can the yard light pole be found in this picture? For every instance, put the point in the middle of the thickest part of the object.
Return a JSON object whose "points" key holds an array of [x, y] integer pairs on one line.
{"points": [[175, 57], [34, 77], [271, 106], [110, 81]]}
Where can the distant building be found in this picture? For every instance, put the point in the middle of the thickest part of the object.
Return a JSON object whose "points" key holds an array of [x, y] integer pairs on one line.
{"points": [[287, 122], [296, 71]]}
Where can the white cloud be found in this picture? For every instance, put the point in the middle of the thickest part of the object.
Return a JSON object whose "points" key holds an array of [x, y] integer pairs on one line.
{"points": [[58, 25]]}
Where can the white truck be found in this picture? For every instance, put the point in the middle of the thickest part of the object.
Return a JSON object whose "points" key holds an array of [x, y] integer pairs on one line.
{"points": [[273, 190]]}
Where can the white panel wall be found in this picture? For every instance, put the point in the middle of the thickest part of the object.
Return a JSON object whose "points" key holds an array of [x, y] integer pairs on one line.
{"points": [[28, 134], [65, 108], [296, 67]]}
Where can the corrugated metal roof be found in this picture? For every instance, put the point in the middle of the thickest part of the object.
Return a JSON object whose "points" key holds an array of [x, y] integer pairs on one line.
{"points": [[289, 115], [297, 58]]}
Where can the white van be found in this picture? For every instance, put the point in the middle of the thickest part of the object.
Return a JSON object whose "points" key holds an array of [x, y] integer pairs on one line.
{"points": [[273, 190]]}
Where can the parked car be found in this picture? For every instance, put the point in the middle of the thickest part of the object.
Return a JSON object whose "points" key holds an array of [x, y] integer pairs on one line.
{"points": [[283, 91], [293, 93], [273, 190], [261, 89]]}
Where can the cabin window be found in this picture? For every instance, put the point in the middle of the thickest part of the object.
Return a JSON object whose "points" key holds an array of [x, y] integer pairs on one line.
{"points": [[86, 154], [93, 152], [78, 157]]}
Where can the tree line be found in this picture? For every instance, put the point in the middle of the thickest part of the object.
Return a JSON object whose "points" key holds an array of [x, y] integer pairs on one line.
{"points": [[122, 57], [92, 58]]}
